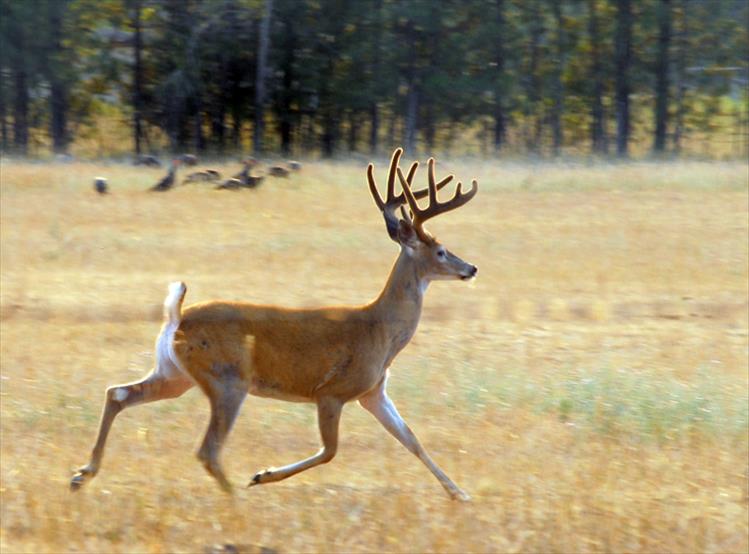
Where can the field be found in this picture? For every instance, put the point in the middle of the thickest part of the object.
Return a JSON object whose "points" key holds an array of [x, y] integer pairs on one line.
{"points": [[589, 389]]}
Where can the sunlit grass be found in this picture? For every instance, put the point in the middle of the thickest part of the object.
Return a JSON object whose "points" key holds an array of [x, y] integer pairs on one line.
{"points": [[589, 390]]}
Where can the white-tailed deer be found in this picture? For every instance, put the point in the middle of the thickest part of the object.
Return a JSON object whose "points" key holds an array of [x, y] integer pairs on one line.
{"points": [[328, 356]]}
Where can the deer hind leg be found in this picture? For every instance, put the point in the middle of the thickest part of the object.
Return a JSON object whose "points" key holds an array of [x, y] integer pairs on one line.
{"points": [[379, 405], [157, 385], [226, 390], [328, 417]]}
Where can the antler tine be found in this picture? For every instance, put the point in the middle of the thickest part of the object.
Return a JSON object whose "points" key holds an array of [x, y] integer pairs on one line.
{"points": [[373, 187], [435, 207], [392, 200], [432, 185], [397, 153], [410, 175], [406, 184]]}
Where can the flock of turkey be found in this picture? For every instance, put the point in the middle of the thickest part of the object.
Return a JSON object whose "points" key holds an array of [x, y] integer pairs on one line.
{"points": [[243, 179]]}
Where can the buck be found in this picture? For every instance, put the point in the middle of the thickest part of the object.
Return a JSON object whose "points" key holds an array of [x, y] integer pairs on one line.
{"points": [[329, 356]]}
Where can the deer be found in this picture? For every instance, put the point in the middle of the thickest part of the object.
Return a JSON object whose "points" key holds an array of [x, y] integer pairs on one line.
{"points": [[328, 356]]}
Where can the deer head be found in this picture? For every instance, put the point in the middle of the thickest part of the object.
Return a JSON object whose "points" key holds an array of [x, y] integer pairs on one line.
{"points": [[433, 260]]}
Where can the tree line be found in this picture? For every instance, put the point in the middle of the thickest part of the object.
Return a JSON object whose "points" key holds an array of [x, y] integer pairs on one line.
{"points": [[538, 77]]}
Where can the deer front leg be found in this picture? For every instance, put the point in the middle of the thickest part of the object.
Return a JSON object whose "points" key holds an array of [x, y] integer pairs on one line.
{"points": [[328, 417], [379, 405]]}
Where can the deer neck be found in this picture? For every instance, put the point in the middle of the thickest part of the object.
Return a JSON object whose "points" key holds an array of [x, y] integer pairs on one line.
{"points": [[399, 303]]}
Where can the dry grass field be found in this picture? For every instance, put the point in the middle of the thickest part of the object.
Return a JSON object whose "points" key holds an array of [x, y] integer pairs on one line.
{"points": [[589, 390]]}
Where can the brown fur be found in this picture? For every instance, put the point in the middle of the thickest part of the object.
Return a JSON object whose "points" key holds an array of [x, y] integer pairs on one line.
{"points": [[304, 354]]}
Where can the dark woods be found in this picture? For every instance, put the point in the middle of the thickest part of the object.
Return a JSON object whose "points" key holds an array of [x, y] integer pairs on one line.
{"points": [[537, 77]]}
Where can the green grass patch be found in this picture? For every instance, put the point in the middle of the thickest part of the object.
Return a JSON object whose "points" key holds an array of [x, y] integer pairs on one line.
{"points": [[623, 401]]}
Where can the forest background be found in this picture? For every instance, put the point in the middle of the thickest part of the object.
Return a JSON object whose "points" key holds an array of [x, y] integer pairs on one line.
{"points": [[309, 78]]}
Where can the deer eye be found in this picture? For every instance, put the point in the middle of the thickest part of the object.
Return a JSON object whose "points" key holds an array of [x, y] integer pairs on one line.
{"points": [[441, 254]]}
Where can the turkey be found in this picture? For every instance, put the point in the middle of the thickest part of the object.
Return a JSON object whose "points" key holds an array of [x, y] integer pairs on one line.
{"points": [[278, 171], [208, 175], [244, 176], [248, 163], [231, 184], [189, 159], [100, 185], [167, 182], [253, 182], [147, 160]]}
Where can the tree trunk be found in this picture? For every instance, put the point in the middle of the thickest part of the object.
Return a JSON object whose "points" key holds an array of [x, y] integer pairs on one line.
{"points": [[17, 38], [412, 110], [329, 110], [285, 131], [429, 126], [285, 95], [374, 128], [136, 6], [59, 109], [218, 131], [3, 122], [598, 125], [534, 118], [20, 107], [623, 60], [392, 126], [260, 75], [499, 87], [374, 112], [330, 133], [353, 131], [558, 86], [661, 75], [236, 127], [56, 68], [682, 39], [197, 123]]}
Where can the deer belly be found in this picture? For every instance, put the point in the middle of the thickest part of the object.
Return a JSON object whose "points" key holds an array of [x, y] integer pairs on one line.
{"points": [[268, 389]]}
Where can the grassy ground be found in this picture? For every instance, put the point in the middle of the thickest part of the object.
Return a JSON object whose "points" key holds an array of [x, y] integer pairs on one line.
{"points": [[589, 390]]}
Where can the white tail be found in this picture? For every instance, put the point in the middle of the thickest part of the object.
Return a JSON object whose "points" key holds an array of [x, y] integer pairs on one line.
{"points": [[173, 303], [328, 356]]}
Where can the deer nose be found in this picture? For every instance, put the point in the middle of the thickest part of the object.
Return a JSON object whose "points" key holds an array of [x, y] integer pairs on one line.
{"points": [[474, 270]]}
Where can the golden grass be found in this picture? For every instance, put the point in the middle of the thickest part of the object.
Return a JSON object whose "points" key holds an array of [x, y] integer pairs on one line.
{"points": [[589, 390]]}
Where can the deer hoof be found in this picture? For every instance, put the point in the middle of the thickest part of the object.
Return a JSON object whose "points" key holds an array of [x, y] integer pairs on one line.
{"points": [[260, 478], [460, 496], [80, 478]]}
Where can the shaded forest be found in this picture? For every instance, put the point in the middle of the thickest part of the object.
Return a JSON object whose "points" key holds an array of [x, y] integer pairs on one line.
{"points": [[329, 77]]}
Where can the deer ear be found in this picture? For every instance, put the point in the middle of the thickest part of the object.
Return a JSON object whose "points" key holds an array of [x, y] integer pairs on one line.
{"points": [[406, 234]]}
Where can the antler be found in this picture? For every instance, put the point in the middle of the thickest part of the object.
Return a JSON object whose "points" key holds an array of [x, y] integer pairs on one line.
{"points": [[435, 207], [393, 202]]}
